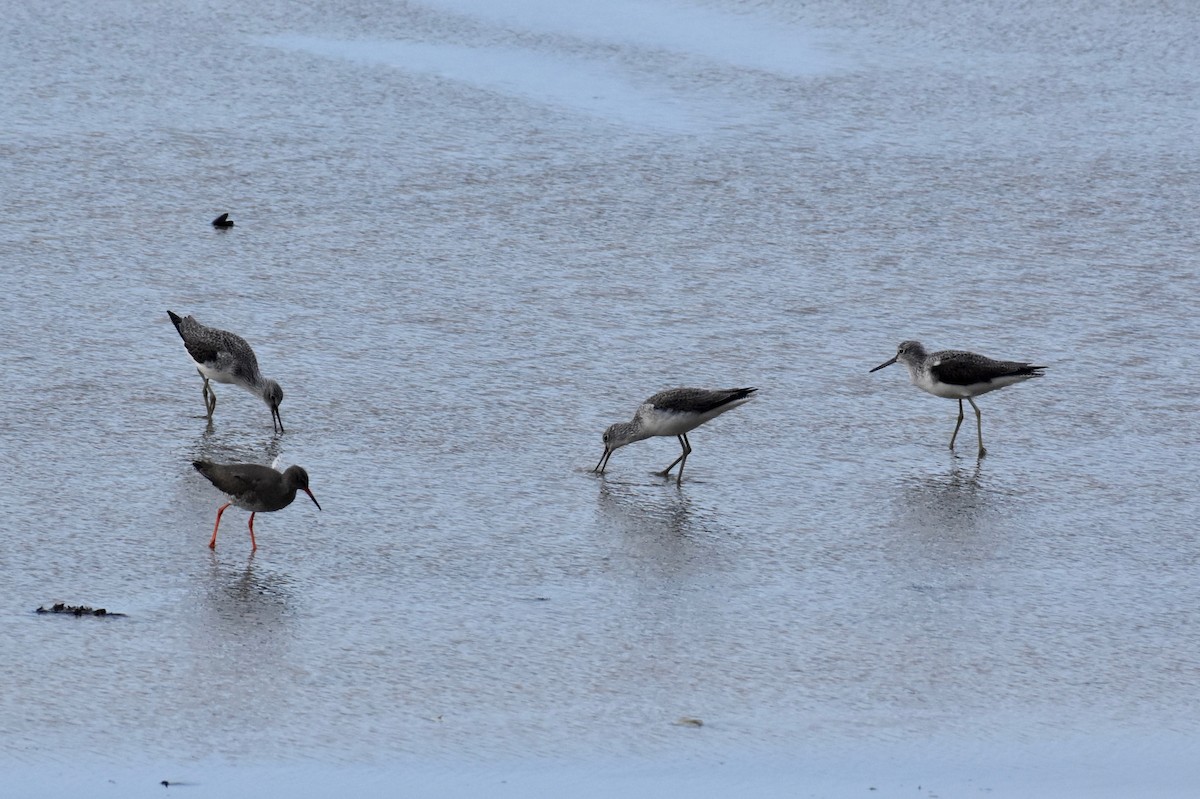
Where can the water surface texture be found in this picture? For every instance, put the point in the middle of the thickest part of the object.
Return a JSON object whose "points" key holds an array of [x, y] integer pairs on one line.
{"points": [[470, 236]]}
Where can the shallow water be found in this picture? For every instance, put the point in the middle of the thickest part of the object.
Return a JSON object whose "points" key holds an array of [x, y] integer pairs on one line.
{"points": [[467, 240]]}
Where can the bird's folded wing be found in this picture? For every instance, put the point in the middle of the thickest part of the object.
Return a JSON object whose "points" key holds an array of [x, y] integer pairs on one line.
{"points": [[967, 368]]}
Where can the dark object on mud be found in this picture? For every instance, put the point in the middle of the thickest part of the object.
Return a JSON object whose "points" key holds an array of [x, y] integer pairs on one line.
{"points": [[76, 610], [222, 221]]}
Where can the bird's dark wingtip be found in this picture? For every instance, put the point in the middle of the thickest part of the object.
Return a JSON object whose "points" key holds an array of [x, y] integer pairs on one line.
{"points": [[176, 318]]}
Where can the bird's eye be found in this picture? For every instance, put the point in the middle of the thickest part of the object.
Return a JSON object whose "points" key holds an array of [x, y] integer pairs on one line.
{"points": [[606, 438]]}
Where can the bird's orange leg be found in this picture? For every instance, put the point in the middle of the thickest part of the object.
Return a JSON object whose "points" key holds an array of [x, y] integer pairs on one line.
{"points": [[253, 546], [213, 543]]}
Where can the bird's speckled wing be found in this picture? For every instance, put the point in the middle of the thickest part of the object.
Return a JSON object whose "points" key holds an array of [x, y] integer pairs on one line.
{"points": [[696, 400], [219, 349]]}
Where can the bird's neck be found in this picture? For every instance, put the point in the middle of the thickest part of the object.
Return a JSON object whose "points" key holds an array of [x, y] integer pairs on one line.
{"points": [[634, 431]]}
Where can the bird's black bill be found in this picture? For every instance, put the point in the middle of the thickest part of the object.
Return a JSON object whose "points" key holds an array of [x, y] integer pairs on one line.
{"points": [[277, 421], [603, 461], [314, 499], [885, 363]]}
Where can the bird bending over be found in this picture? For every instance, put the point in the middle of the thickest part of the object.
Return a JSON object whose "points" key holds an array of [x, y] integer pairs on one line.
{"points": [[258, 489], [672, 413], [956, 374], [226, 358]]}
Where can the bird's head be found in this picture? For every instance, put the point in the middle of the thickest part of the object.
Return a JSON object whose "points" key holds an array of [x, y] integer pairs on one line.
{"points": [[615, 437], [909, 352], [272, 394], [618, 435], [299, 478]]}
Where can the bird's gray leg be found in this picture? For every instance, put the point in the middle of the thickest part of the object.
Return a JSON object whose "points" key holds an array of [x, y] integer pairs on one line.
{"points": [[979, 423], [687, 448], [210, 396], [960, 418], [682, 456]]}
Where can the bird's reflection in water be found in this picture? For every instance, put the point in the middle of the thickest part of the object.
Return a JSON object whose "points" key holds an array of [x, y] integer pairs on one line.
{"points": [[660, 530], [211, 445], [241, 592], [953, 500], [948, 531], [950, 505], [667, 513], [244, 640]]}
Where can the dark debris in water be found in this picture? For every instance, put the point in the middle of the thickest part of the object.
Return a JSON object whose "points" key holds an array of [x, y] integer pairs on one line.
{"points": [[76, 610]]}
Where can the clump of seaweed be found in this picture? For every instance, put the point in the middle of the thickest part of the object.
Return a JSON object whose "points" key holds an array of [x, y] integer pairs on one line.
{"points": [[76, 610]]}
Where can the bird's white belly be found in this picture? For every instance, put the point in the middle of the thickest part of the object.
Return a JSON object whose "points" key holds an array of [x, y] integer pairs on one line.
{"points": [[925, 382], [657, 422], [215, 375]]}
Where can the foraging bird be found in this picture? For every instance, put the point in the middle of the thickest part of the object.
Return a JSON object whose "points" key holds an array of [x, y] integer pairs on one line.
{"points": [[258, 489], [672, 413], [227, 358], [222, 221], [955, 374]]}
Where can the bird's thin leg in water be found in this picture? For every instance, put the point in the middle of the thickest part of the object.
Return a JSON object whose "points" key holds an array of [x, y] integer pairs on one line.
{"points": [[210, 396], [979, 423], [253, 546], [960, 418], [681, 457], [213, 543], [687, 448]]}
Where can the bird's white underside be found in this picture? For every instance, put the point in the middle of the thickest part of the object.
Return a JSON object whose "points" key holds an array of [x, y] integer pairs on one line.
{"points": [[660, 422], [215, 375], [926, 382]]}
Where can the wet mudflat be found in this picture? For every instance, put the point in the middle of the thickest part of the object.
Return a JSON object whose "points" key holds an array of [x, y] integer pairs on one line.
{"points": [[467, 240]]}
